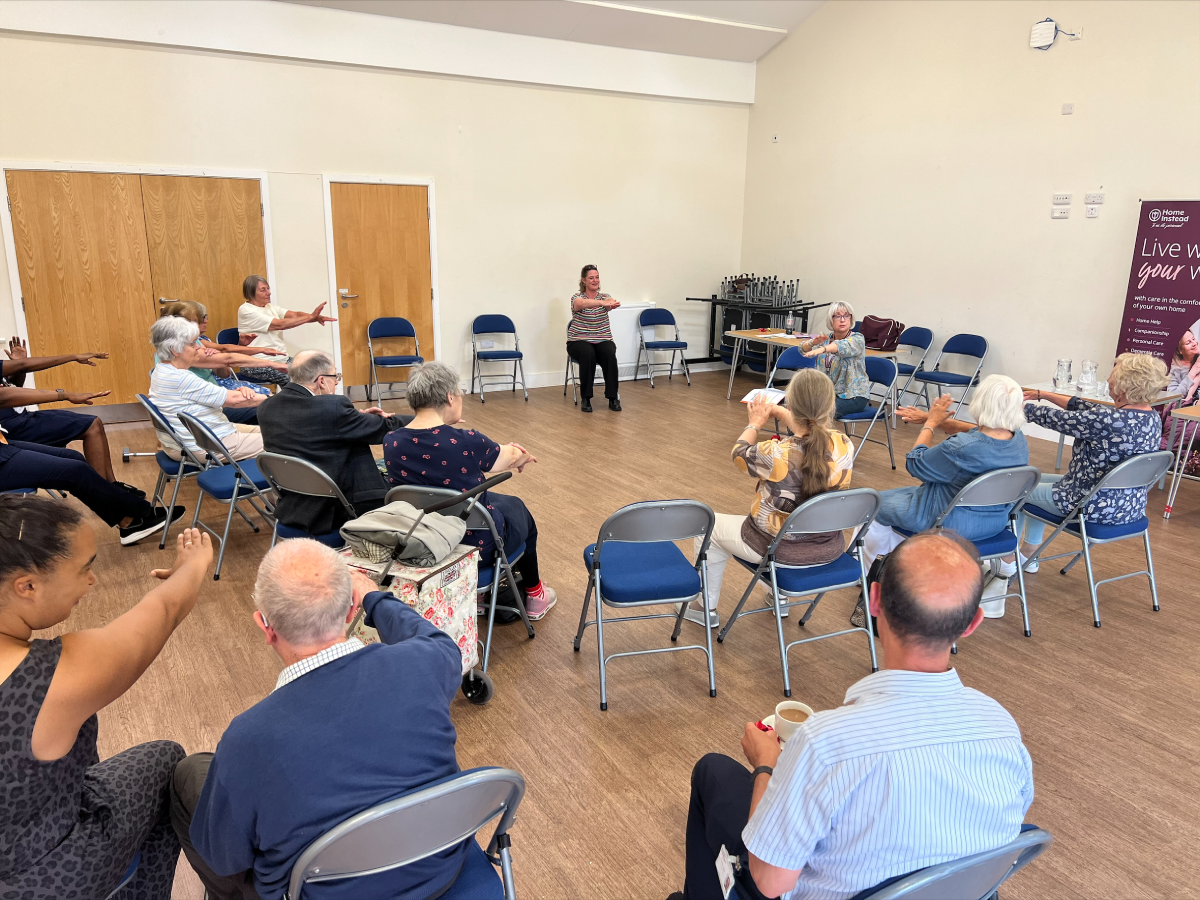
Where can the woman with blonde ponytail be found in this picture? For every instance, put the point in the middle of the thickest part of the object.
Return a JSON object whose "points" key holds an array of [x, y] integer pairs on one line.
{"points": [[814, 459]]}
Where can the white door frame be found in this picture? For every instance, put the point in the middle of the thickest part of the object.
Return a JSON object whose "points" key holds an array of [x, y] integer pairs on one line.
{"points": [[10, 246], [326, 181]]}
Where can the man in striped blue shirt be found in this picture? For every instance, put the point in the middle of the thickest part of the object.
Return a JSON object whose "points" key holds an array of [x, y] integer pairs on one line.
{"points": [[914, 770]]}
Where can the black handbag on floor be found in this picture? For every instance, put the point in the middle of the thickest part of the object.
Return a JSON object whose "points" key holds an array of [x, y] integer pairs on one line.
{"points": [[858, 618]]}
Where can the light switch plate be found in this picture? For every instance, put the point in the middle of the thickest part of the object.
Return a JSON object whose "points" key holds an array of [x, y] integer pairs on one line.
{"points": [[1093, 198], [1068, 109], [1062, 200], [1060, 212], [1093, 212]]}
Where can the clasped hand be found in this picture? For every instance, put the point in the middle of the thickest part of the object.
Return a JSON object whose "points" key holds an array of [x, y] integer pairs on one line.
{"points": [[760, 409]]}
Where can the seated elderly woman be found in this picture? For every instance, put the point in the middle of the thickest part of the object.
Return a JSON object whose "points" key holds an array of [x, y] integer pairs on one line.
{"points": [[994, 442], [216, 364], [431, 451], [174, 388], [70, 824], [1104, 436], [842, 355], [812, 460]]}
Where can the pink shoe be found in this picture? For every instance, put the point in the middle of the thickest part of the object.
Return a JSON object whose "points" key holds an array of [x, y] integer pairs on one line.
{"points": [[537, 607]]}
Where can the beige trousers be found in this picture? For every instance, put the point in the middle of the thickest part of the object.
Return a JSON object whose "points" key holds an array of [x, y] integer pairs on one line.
{"points": [[245, 443], [726, 543]]}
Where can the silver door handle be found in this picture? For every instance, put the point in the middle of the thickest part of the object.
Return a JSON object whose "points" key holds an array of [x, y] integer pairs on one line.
{"points": [[165, 300], [345, 293]]}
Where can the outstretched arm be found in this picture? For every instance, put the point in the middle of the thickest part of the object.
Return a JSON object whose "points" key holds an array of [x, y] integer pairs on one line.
{"points": [[19, 396], [19, 361]]}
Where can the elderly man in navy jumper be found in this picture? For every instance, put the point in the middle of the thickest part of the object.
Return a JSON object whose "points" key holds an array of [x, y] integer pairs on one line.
{"points": [[347, 726]]}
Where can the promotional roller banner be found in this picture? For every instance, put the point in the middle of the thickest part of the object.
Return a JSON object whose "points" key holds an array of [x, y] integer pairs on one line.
{"points": [[1162, 301]]}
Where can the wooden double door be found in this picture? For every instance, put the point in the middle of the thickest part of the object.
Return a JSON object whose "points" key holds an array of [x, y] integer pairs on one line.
{"points": [[98, 253]]}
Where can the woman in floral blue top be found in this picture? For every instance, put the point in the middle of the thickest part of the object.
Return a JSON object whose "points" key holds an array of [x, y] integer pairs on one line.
{"points": [[429, 451], [842, 355], [1104, 436]]}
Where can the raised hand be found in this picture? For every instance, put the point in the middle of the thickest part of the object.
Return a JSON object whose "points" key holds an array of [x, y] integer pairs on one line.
{"points": [[192, 548], [939, 412], [315, 316], [81, 398], [912, 415], [759, 410], [17, 349], [86, 358]]}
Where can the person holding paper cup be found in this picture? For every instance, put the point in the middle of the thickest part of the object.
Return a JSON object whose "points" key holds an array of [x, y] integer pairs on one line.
{"points": [[810, 461]]}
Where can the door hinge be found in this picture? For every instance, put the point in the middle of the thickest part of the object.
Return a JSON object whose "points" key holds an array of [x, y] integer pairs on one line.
{"points": [[22, 303], [9, 199], [428, 214], [431, 293], [261, 210]]}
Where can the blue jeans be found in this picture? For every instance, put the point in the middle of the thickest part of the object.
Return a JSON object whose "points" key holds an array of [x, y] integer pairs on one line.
{"points": [[1042, 496], [847, 405]]}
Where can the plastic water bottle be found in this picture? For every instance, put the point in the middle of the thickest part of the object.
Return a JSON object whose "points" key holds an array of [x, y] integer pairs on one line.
{"points": [[789, 324]]}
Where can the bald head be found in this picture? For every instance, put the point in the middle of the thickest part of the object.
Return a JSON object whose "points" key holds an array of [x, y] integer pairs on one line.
{"points": [[304, 592], [931, 587], [308, 365]]}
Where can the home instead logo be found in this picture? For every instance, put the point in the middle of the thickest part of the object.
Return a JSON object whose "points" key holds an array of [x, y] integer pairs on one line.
{"points": [[1168, 218]]}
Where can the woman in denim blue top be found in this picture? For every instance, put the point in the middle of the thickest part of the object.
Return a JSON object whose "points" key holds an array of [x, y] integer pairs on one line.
{"points": [[1104, 436], [842, 355], [971, 450]]}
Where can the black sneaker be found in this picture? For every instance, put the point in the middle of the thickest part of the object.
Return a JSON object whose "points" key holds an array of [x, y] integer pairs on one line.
{"points": [[131, 489], [147, 525]]}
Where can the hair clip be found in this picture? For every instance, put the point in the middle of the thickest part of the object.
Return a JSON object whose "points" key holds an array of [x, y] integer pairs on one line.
{"points": [[21, 530]]}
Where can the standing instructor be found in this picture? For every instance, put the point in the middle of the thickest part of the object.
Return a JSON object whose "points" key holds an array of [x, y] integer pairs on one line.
{"points": [[590, 340]]}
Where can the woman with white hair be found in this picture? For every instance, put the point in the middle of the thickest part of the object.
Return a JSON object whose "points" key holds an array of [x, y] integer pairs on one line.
{"points": [[995, 442], [842, 355], [175, 389]]}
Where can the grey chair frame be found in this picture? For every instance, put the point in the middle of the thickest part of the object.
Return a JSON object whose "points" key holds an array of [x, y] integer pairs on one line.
{"points": [[918, 366], [219, 455], [306, 479], [163, 425], [650, 365], [975, 877], [831, 511], [651, 521], [937, 367], [477, 517], [1129, 473], [415, 826], [374, 393], [573, 381], [881, 410], [476, 362], [999, 488]]}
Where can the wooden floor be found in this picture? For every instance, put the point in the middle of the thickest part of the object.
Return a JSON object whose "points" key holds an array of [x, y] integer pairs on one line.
{"points": [[1109, 715]]}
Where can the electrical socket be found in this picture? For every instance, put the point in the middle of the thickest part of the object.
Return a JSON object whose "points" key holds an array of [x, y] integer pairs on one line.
{"points": [[1062, 200], [1068, 109], [774, 139], [1060, 212], [1093, 198], [1093, 212], [1078, 35]]}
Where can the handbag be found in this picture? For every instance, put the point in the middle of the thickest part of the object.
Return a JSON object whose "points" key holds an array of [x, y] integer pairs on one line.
{"points": [[858, 618], [880, 333]]}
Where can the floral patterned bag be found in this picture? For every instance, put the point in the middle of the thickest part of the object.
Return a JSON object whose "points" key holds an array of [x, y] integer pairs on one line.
{"points": [[444, 594]]}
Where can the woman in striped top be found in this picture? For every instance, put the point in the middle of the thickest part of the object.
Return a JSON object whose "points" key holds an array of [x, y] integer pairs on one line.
{"points": [[590, 340]]}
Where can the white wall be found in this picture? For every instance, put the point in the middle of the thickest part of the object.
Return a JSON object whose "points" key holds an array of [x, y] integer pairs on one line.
{"points": [[920, 144], [531, 182]]}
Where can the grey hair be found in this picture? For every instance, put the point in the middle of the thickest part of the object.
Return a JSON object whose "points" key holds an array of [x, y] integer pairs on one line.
{"points": [[308, 365], [999, 402], [840, 306], [430, 384], [304, 592], [171, 335]]}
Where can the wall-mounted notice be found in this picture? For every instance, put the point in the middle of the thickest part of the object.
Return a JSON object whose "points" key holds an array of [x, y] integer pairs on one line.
{"points": [[1162, 301]]}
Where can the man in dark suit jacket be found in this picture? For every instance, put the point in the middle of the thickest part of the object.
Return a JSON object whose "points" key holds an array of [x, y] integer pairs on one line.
{"points": [[308, 420]]}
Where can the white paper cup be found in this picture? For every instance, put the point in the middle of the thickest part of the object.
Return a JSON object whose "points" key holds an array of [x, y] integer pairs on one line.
{"points": [[785, 728]]}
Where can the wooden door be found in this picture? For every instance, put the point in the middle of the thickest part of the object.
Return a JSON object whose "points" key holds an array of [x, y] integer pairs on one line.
{"points": [[381, 253], [205, 235], [85, 277]]}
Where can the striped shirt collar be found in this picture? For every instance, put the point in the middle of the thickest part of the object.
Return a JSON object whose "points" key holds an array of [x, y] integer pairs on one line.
{"points": [[904, 681], [306, 665]]}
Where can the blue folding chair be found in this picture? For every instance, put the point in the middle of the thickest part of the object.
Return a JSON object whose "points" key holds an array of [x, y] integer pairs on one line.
{"points": [[226, 480], [881, 373], [1000, 487], [971, 346], [390, 327], [189, 466], [417, 825], [232, 336], [911, 340], [643, 567], [228, 336], [790, 360], [832, 511], [496, 324], [572, 379], [652, 318], [1138, 471], [290, 474]]}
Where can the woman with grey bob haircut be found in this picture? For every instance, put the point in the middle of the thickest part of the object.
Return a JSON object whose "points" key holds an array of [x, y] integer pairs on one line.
{"points": [[431, 451], [175, 389], [993, 442], [841, 354]]}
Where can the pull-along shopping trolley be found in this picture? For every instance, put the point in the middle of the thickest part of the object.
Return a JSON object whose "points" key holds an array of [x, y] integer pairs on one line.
{"points": [[444, 593]]}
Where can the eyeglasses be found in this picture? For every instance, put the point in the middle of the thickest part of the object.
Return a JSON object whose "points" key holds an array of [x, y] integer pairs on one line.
{"points": [[336, 376], [841, 316]]}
